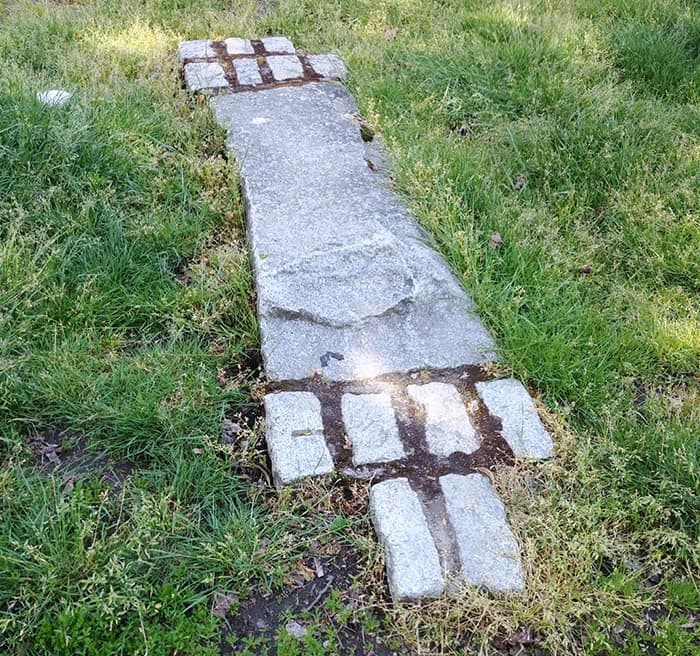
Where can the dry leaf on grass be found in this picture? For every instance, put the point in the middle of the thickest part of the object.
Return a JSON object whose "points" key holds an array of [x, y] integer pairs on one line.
{"points": [[519, 182], [307, 573], [222, 603]]}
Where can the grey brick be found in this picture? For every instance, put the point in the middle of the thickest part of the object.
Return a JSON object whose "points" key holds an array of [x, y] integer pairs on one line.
{"points": [[412, 562], [285, 67], [294, 435], [207, 75], [371, 426], [330, 66], [447, 425], [237, 46], [522, 429], [247, 71], [278, 44], [489, 554], [200, 49]]}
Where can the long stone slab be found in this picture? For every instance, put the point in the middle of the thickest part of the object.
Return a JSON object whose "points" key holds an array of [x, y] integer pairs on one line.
{"points": [[340, 266]]}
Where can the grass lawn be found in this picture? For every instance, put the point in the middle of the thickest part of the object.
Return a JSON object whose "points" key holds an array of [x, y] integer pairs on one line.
{"points": [[127, 327]]}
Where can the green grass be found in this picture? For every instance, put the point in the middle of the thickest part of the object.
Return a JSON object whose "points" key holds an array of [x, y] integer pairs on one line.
{"points": [[125, 289]]}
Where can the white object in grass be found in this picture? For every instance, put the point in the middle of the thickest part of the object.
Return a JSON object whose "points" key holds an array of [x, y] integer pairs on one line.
{"points": [[54, 97]]}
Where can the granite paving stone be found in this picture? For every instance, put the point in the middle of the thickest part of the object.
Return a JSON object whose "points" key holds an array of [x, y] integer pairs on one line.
{"points": [[205, 75], [371, 426], [318, 217], [237, 46], [412, 562], [508, 400], [278, 44], [199, 49], [488, 551], [330, 66], [247, 71], [448, 428], [294, 435], [285, 67]]}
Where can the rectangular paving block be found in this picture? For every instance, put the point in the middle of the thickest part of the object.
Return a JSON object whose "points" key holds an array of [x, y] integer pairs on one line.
{"points": [[200, 49], [371, 426], [247, 72], [236, 46], [488, 551], [412, 561], [330, 66], [508, 400], [285, 67], [447, 425], [205, 75], [278, 44], [294, 436]]}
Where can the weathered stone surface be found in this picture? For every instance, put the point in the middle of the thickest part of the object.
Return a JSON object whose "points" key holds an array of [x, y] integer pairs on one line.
{"points": [[278, 44], [371, 426], [200, 49], [285, 67], [330, 66], [54, 97], [522, 429], [236, 46], [317, 287], [247, 72], [205, 75], [294, 435], [447, 425], [412, 562], [313, 203], [489, 554]]}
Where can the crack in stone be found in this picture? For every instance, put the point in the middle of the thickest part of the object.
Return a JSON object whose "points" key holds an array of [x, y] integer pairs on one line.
{"points": [[315, 286], [400, 308]]}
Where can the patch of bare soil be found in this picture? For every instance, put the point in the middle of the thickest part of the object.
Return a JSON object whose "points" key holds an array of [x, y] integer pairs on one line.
{"points": [[64, 454], [302, 609]]}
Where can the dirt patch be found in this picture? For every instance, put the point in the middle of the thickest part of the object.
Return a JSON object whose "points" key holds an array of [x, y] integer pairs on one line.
{"points": [[66, 455], [321, 604]]}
